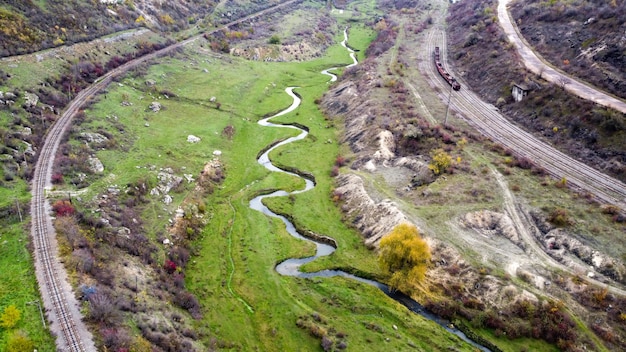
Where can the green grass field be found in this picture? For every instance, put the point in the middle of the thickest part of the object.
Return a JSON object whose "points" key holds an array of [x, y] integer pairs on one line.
{"points": [[239, 241]]}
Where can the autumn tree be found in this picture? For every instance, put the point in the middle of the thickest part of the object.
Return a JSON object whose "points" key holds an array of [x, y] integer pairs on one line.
{"points": [[440, 161], [10, 317], [404, 255]]}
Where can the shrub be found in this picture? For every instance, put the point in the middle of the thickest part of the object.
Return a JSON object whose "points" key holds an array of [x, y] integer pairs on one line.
{"points": [[170, 266], [57, 178], [440, 162], [189, 302], [340, 161], [10, 317], [275, 39], [101, 308], [327, 343], [19, 342], [63, 208], [560, 217]]}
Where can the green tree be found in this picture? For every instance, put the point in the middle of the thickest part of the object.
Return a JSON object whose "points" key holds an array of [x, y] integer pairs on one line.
{"points": [[404, 255], [441, 161], [19, 342], [10, 317]]}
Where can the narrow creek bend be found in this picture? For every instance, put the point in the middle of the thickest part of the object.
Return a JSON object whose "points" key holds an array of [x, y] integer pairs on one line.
{"points": [[291, 267]]}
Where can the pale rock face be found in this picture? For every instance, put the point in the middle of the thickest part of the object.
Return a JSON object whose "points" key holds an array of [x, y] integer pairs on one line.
{"points": [[96, 165], [375, 219], [386, 146]]}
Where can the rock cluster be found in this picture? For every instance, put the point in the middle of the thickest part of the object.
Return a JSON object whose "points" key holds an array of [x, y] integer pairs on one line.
{"points": [[567, 249]]}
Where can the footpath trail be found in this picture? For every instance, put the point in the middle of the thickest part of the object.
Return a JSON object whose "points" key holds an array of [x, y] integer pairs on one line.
{"points": [[58, 298], [538, 65]]}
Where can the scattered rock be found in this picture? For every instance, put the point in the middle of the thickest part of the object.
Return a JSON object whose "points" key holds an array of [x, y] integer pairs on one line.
{"points": [[95, 165], [193, 139], [93, 137], [126, 103], [31, 99], [155, 106], [217, 152], [150, 82], [26, 131], [29, 149]]}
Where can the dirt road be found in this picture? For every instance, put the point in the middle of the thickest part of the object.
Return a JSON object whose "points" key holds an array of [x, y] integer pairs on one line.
{"points": [[488, 120], [538, 66]]}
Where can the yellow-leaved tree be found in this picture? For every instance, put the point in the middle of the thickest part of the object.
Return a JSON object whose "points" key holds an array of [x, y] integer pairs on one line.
{"points": [[404, 255]]}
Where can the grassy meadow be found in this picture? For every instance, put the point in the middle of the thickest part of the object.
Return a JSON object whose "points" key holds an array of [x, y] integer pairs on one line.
{"points": [[246, 304]]}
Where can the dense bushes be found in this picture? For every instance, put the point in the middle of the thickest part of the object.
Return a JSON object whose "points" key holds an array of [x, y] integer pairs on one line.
{"points": [[546, 320]]}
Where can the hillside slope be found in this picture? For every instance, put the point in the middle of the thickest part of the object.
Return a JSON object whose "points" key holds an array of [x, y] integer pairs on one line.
{"points": [[583, 38], [27, 26]]}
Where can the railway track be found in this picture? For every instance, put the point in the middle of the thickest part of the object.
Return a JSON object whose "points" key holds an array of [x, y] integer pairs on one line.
{"points": [[492, 124], [58, 299], [486, 119]]}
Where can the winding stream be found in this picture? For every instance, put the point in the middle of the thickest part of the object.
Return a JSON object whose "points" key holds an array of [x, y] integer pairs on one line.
{"points": [[291, 267]]}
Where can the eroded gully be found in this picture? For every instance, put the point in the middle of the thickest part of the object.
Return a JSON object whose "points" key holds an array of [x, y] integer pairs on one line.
{"points": [[291, 267]]}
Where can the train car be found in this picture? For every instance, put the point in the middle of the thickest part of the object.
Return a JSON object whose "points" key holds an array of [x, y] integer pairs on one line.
{"points": [[451, 80]]}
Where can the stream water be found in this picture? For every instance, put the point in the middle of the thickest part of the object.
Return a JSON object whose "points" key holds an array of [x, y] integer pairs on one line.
{"points": [[291, 267]]}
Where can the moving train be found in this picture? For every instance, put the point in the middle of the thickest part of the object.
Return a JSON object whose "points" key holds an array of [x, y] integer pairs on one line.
{"points": [[451, 81]]}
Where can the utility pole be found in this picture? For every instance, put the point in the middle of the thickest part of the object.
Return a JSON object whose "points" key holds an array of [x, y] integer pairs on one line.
{"points": [[43, 321], [445, 121]]}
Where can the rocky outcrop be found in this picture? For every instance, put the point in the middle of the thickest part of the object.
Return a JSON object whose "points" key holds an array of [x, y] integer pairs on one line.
{"points": [[562, 246], [490, 223], [167, 181], [567, 249], [92, 137], [373, 220]]}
